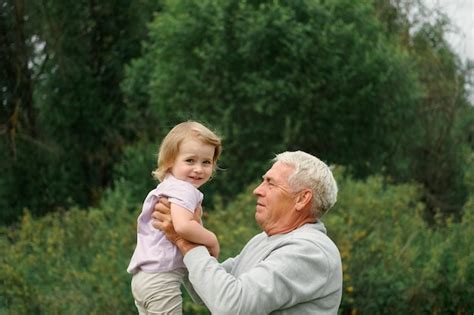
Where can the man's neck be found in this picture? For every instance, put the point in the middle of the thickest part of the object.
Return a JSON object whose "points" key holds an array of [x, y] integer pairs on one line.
{"points": [[292, 227]]}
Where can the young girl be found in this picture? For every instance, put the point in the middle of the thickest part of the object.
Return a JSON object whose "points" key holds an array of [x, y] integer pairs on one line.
{"points": [[186, 160]]}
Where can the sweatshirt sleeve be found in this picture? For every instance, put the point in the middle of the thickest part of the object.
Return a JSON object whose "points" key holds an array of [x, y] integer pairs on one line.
{"points": [[227, 265], [291, 274], [192, 293]]}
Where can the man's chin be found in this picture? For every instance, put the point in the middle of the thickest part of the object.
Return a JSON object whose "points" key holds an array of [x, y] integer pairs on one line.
{"points": [[258, 218]]}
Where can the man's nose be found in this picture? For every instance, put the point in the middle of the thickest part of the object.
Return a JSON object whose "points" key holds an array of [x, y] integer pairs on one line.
{"points": [[258, 190]]}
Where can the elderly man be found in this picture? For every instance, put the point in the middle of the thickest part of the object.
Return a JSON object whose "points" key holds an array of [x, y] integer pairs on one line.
{"points": [[292, 267]]}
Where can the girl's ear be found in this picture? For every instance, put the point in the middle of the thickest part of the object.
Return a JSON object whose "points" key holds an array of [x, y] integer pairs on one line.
{"points": [[303, 199]]}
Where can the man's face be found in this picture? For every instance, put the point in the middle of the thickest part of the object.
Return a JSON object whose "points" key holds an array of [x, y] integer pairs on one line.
{"points": [[275, 200]]}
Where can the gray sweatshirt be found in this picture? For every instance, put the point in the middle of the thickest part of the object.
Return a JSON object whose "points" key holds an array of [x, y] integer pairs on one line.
{"points": [[295, 273]]}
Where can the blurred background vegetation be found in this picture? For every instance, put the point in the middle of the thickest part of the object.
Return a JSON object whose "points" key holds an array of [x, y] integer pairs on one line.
{"points": [[88, 89]]}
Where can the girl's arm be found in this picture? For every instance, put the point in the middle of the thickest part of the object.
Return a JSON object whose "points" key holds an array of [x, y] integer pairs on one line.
{"points": [[188, 228]]}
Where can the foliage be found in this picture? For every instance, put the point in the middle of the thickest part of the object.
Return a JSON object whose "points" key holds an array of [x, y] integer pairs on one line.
{"points": [[132, 174], [27, 184], [357, 83], [437, 157], [16, 78], [393, 262], [74, 262], [319, 76], [441, 159], [63, 112], [68, 263], [234, 224]]}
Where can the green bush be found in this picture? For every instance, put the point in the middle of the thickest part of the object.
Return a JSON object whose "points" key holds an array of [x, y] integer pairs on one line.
{"points": [[68, 263], [393, 262], [235, 224], [74, 262], [132, 175]]}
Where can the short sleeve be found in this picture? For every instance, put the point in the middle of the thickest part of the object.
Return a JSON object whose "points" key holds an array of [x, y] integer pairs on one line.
{"points": [[181, 193]]}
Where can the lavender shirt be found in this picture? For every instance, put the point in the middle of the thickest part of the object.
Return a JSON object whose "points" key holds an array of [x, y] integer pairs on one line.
{"points": [[154, 252]]}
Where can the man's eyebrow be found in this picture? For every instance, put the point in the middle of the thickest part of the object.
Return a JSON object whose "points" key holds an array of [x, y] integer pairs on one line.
{"points": [[268, 178]]}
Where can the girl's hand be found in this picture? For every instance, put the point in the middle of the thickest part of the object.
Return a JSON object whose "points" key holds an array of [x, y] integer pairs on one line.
{"points": [[214, 250]]}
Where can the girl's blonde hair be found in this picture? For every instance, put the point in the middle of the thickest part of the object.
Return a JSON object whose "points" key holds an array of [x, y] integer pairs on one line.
{"points": [[169, 148]]}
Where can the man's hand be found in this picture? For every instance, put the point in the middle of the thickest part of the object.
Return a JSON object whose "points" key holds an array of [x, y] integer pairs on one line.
{"points": [[162, 221]]}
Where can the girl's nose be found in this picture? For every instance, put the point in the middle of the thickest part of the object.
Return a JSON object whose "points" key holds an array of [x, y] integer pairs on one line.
{"points": [[198, 168]]}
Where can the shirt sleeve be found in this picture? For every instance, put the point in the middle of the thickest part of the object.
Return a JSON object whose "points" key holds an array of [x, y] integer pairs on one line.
{"points": [[291, 274], [183, 194], [228, 264], [192, 293]]}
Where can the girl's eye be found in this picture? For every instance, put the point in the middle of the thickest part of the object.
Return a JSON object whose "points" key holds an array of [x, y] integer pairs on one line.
{"points": [[207, 162], [189, 161]]}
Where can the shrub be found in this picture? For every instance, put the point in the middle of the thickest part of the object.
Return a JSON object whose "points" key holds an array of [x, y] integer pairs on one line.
{"points": [[393, 262], [68, 263], [74, 262], [132, 174]]}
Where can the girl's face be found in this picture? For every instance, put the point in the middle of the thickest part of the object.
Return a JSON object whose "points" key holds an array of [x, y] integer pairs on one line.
{"points": [[194, 162]]}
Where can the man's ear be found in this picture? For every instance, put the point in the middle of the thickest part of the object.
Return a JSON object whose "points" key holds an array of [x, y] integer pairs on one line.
{"points": [[303, 199]]}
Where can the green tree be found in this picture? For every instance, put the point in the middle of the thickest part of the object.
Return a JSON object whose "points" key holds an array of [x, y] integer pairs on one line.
{"points": [[70, 56], [277, 75], [18, 126], [438, 144], [16, 78], [440, 161]]}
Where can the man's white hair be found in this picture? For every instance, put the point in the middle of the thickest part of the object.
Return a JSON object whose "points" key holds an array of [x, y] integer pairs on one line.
{"points": [[311, 173]]}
